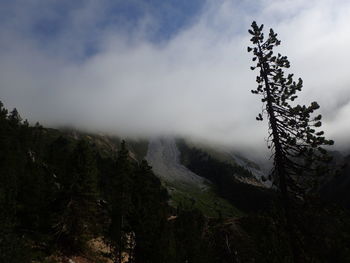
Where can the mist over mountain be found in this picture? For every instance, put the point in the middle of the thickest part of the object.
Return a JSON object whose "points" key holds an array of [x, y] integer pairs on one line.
{"points": [[128, 131], [146, 69], [76, 196]]}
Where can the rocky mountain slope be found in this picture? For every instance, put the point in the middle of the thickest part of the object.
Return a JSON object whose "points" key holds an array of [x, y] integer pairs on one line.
{"points": [[164, 157]]}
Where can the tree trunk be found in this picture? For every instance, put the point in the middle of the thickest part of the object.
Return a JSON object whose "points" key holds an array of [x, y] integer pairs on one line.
{"points": [[280, 165]]}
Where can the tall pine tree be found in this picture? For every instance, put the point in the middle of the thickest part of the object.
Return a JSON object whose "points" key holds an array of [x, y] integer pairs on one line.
{"points": [[77, 218], [297, 146], [120, 204], [149, 216]]}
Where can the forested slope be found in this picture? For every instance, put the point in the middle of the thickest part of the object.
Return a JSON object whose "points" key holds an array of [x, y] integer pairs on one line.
{"points": [[63, 191], [227, 179]]}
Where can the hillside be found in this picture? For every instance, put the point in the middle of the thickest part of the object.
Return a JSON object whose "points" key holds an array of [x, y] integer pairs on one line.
{"points": [[184, 186], [232, 181], [69, 196]]}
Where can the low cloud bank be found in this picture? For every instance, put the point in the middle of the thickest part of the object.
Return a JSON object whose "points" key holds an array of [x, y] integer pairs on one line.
{"points": [[197, 83]]}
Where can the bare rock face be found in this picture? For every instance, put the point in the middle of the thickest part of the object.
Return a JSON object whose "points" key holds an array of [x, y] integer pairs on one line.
{"points": [[260, 178], [164, 157]]}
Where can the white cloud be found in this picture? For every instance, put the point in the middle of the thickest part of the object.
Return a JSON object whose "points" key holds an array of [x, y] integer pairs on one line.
{"points": [[196, 84]]}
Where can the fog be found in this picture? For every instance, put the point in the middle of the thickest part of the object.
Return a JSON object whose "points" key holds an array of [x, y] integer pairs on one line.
{"points": [[195, 83]]}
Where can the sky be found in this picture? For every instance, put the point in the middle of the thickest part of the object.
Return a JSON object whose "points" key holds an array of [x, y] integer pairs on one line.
{"points": [[166, 67]]}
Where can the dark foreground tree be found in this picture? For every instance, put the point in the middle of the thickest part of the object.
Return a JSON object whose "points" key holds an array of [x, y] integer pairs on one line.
{"points": [[119, 232], [297, 147], [78, 200]]}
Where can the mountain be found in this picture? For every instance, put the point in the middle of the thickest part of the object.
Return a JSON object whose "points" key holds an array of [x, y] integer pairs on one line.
{"points": [[164, 157], [230, 180], [256, 175], [68, 195], [185, 187]]}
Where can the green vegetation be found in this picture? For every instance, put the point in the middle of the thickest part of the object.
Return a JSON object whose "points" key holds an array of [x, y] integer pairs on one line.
{"points": [[61, 190], [205, 200]]}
